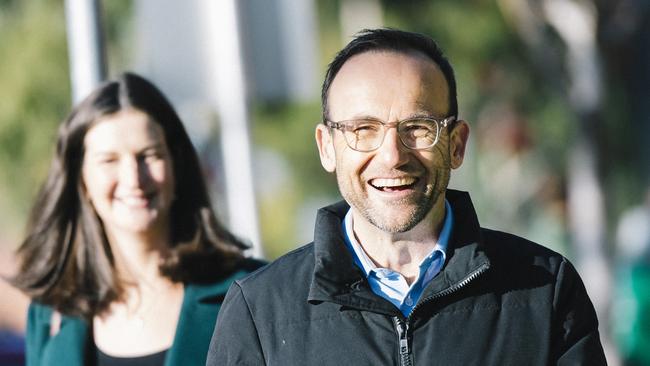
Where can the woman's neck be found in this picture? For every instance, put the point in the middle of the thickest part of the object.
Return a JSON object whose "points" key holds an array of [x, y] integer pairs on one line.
{"points": [[138, 256]]}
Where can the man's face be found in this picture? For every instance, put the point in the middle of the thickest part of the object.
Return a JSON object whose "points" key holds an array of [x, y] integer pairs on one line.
{"points": [[394, 188]]}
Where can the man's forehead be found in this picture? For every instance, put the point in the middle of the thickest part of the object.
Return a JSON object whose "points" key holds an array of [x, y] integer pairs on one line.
{"points": [[381, 76], [410, 58], [384, 66]]}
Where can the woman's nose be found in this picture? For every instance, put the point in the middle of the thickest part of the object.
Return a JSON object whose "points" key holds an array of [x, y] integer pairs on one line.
{"points": [[132, 173]]}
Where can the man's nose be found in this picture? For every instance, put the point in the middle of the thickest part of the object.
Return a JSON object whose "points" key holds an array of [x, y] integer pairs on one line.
{"points": [[392, 151]]}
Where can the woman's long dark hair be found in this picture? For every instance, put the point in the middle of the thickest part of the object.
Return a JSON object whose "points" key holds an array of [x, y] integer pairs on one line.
{"points": [[65, 259]]}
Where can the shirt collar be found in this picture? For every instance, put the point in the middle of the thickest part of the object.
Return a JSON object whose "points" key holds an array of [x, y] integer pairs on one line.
{"points": [[366, 264]]}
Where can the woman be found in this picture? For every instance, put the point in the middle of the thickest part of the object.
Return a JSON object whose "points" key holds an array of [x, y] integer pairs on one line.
{"points": [[124, 259]]}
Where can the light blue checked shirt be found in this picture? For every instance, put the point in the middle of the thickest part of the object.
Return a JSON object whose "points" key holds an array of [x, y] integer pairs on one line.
{"points": [[391, 285]]}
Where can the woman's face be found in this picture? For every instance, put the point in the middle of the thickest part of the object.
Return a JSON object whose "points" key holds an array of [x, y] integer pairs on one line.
{"points": [[128, 174]]}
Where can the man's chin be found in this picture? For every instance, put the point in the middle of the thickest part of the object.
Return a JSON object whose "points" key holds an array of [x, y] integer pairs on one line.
{"points": [[393, 227], [394, 219]]}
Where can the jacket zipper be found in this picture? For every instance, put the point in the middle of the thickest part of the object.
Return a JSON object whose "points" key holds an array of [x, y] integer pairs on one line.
{"points": [[472, 276], [402, 325]]}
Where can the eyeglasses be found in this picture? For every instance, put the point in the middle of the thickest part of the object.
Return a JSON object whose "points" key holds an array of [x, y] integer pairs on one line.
{"points": [[365, 135]]}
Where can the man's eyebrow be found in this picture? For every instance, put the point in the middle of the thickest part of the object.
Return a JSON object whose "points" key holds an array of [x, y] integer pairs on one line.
{"points": [[366, 116], [417, 114], [420, 115], [360, 116], [424, 114]]}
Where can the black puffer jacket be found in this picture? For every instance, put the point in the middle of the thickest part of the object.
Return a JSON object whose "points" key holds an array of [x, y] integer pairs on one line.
{"points": [[499, 300]]}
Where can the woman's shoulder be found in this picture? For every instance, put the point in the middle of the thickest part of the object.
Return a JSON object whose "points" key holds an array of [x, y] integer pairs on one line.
{"points": [[244, 267], [45, 325], [219, 286], [250, 265], [38, 314]]}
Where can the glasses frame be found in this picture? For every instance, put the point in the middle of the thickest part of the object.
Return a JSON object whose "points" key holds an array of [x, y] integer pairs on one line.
{"points": [[345, 125]]}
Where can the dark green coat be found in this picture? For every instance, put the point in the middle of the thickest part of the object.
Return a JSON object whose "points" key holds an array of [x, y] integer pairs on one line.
{"points": [[73, 344]]}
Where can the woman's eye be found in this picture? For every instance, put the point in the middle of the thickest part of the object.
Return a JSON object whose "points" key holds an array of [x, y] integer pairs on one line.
{"points": [[107, 160], [152, 156]]}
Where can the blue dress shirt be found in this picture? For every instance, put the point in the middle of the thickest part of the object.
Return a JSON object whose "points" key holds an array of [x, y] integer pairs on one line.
{"points": [[390, 284]]}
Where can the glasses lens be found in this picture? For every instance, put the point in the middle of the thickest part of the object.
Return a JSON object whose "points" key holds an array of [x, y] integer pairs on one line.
{"points": [[363, 135], [418, 133]]}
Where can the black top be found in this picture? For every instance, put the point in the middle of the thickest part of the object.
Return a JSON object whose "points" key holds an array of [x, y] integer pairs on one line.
{"points": [[154, 359]]}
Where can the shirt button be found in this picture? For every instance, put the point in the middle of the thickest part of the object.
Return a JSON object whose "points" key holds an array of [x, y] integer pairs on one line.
{"points": [[409, 301]]}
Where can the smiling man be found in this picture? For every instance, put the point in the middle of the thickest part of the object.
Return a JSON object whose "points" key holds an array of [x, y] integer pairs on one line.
{"points": [[401, 273]]}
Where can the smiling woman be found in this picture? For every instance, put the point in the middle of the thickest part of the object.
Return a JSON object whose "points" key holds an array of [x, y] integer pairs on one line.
{"points": [[124, 259], [128, 177]]}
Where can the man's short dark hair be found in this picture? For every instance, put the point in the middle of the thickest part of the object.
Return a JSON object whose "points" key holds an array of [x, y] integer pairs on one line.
{"points": [[386, 39]]}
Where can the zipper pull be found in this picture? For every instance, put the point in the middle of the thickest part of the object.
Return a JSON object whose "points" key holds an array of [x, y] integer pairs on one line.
{"points": [[403, 346], [402, 333]]}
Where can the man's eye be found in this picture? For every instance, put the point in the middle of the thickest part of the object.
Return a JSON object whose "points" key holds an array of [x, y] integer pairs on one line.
{"points": [[366, 127], [419, 126], [419, 130]]}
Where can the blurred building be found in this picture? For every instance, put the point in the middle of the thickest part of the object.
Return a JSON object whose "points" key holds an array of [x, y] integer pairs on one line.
{"points": [[194, 50]]}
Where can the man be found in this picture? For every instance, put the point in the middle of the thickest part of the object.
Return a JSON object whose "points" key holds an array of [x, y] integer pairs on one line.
{"points": [[401, 273]]}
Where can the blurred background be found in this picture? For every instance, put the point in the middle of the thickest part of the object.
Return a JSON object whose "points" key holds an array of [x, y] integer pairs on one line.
{"points": [[556, 92]]}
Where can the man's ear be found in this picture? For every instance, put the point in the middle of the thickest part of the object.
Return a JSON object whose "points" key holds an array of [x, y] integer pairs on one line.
{"points": [[458, 143], [325, 148]]}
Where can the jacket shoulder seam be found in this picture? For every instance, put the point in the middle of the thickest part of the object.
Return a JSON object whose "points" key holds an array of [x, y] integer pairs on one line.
{"points": [[274, 264], [250, 314]]}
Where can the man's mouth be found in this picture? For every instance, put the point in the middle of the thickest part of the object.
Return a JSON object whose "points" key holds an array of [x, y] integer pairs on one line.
{"points": [[393, 184]]}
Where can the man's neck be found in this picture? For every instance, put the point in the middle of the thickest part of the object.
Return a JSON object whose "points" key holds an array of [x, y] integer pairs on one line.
{"points": [[402, 252]]}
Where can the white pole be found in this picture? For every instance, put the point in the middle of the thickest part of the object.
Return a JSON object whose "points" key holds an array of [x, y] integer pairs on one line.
{"points": [[85, 46], [227, 86]]}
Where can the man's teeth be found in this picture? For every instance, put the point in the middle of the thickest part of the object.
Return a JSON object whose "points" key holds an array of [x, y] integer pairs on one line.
{"points": [[392, 182]]}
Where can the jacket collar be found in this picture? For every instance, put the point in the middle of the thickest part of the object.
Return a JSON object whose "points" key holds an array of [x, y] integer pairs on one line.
{"points": [[69, 345], [197, 317], [466, 252], [337, 279]]}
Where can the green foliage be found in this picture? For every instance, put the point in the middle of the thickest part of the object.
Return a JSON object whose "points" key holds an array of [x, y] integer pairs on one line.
{"points": [[288, 130], [493, 68], [35, 94], [117, 17], [34, 97], [495, 74]]}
